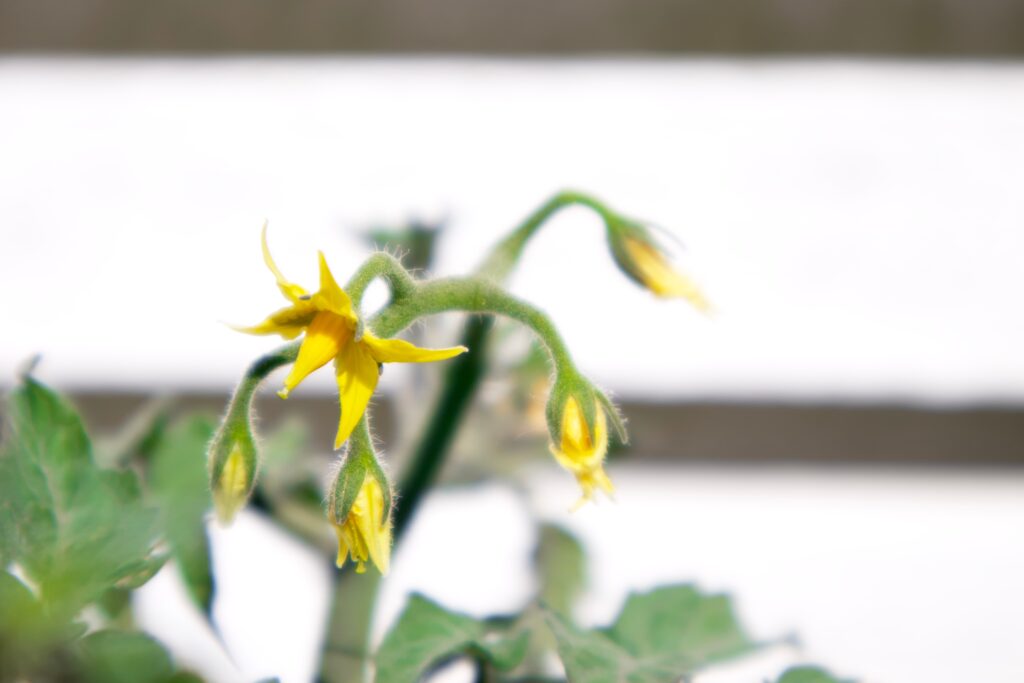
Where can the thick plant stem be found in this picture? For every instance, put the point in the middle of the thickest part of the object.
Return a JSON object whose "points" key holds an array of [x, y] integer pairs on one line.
{"points": [[346, 651], [461, 379]]}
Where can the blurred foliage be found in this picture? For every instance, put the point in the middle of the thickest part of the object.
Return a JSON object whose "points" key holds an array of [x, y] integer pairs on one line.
{"points": [[661, 636], [809, 674], [77, 534]]}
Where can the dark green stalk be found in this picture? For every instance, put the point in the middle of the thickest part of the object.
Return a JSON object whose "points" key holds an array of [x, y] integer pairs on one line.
{"points": [[461, 380]]}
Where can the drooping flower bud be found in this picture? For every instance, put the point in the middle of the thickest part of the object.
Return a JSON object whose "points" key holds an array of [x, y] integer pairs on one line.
{"points": [[578, 423], [232, 460], [359, 507], [640, 256]]}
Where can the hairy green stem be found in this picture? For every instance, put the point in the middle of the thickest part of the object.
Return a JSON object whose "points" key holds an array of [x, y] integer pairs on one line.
{"points": [[385, 266], [471, 295], [506, 254]]}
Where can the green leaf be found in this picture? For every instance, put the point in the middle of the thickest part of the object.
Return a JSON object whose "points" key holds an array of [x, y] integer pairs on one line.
{"points": [[178, 478], [189, 677], [561, 568], [24, 632], [593, 657], [698, 628], [427, 635], [659, 637], [809, 674], [75, 529], [123, 657]]}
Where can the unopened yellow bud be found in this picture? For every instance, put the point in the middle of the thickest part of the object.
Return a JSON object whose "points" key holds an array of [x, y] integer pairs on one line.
{"points": [[232, 488], [639, 256], [582, 450], [365, 532]]}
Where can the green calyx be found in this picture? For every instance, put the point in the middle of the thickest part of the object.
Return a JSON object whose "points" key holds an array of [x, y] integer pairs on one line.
{"points": [[589, 398], [359, 462], [620, 230]]}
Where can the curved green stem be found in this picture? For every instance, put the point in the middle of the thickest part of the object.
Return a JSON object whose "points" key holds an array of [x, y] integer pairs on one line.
{"points": [[472, 296], [503, 258], [382, 265]]}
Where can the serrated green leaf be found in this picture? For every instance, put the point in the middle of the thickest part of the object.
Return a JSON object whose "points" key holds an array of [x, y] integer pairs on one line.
{"points": [[427, 634], [77, 530], [123, 657], [809, 674], [593, 657], [178, 478], [658, 637], [561, 568], [698, 629]]}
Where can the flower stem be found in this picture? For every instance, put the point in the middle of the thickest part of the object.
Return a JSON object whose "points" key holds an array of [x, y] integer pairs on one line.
{"points": [[382, 265], [471, 295]]}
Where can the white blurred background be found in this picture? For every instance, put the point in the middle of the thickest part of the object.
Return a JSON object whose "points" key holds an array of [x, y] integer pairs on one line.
{"points": [[857, 224]]}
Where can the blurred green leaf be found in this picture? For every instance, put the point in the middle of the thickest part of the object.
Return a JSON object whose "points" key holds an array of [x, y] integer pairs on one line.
{"points": [[74, 528], [593, 657], [809, 674], [659, 637], [186, 677], [25, 633], [561, 568], [123, 657], [698, 628], [427, 635], [178, 479]]}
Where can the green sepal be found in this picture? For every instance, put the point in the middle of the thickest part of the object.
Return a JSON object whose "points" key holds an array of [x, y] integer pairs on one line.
{"points": [[619, 229], [590, 399], [615, 415], [345, 488]]}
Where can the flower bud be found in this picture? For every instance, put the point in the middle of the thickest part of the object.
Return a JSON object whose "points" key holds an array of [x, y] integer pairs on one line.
{"points": [[232, 461], [359, 507], [640, 256], [578, 424]]}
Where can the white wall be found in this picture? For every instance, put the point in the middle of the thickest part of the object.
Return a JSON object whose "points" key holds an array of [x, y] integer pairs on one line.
{"points": [[859, 226]]}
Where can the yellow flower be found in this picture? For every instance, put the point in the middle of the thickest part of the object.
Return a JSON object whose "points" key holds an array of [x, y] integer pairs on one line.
{"points": [[330, 324], [582, 452], [648, 264], [366, 534]]}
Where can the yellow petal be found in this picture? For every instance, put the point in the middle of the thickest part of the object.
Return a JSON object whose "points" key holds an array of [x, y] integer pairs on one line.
{"points": [[288, 322], [342, 546], [578, 443], [375, 528], [357, 373], [325, 338], [581, 452], [401, 351], [660, 277], [292, 292], [331, 297]]}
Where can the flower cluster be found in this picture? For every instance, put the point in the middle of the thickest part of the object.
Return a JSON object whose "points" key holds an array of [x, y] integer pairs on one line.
{"points": [[359, 503]]}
